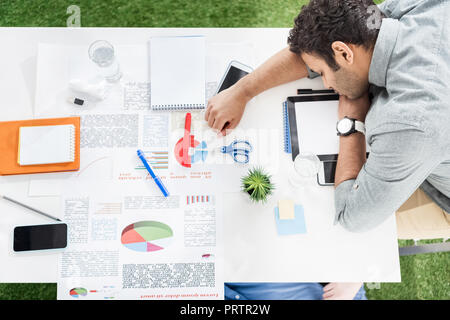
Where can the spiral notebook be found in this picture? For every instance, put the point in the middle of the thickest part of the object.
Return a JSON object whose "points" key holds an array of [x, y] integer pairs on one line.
{"points": [[287, 132], [177, 73], [46, 144]]}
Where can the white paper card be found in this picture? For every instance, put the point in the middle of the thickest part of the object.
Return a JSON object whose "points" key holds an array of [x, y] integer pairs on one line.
{"points": [[46, 144], [177, 72]]}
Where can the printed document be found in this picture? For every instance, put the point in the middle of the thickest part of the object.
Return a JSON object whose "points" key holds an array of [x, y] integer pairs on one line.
{"points": [[126, 244]]}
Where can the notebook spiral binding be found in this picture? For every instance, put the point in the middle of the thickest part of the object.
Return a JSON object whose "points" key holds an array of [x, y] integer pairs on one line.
{"points": [[72, 143], [287, 131], [170, 107]]}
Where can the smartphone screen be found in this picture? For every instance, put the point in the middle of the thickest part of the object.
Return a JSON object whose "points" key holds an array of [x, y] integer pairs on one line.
{"points": [[234, 75], [40, 237]]}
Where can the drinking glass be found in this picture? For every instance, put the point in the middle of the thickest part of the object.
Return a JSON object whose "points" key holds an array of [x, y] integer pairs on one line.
{"points": [[304, 170], [101, 52]]}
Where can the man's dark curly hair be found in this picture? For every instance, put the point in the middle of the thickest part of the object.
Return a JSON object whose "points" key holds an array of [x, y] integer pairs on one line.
{"points": [[322, 22]]}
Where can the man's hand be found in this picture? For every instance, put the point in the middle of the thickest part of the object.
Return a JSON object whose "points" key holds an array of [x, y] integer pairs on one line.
{"points": [[225, 110]]}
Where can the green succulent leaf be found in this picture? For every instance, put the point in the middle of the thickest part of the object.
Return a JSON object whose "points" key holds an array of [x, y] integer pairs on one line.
{"points": [[257, 184]]}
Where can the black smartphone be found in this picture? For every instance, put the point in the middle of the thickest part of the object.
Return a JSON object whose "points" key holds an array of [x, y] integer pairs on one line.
{"points": [[234, 73], [40, 237], [327, 173]]}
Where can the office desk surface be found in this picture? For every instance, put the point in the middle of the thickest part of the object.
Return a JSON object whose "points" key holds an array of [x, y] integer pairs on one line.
{"points": [[253, 250]]}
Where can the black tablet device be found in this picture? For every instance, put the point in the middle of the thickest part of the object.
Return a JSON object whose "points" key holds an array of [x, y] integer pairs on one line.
{"points": [[293, 128], [321, 119], [328, 159]]}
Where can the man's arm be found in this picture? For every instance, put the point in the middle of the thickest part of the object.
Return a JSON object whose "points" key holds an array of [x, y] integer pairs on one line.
{"points": [[285, 66], [398, 163], [225, 110], [352, 148]]}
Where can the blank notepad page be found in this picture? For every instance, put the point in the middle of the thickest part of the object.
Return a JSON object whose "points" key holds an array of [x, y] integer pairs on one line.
{"points": [[46, 144], [177, 73]]}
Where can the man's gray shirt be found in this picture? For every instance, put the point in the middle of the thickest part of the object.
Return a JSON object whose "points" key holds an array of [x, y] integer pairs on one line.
{"points": [[408, 124]]}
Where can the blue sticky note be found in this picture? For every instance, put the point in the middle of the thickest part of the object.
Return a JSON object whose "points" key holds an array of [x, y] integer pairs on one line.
{"points": [[291, 226]]}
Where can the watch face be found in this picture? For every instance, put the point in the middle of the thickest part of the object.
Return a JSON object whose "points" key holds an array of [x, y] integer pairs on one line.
{"points": [[345, 126]]}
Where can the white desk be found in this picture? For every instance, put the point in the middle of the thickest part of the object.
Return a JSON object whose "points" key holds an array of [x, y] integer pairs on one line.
{"points": [[253, 250]]}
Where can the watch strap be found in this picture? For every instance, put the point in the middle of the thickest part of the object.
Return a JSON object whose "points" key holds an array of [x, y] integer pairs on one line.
{"points": [[360, 126], [357, 126]]}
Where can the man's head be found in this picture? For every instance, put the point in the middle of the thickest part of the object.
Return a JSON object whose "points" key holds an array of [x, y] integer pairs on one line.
{"points": [[334, 39]]}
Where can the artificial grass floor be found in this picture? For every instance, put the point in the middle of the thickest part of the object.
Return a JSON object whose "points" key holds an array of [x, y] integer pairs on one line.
{"points": [[424, 276], [152, 13]]}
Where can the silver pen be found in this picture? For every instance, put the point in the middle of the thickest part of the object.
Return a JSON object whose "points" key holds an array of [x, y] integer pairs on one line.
{"points": [[28, 207]]}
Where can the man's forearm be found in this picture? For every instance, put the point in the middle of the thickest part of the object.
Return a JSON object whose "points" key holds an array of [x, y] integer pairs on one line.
{"points": [[352, 156], [283, 67], [352, 148]]}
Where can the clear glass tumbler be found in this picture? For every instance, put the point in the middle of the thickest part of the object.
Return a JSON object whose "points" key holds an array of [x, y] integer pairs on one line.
{"points": [[101, 52], [304, 170]]}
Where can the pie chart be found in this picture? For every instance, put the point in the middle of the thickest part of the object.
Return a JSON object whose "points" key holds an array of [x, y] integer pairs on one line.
{"points": [[199, 153], [147, 236], [76, 292]]}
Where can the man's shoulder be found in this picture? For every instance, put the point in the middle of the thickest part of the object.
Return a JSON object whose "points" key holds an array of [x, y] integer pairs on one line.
{"points": [[396, 9]]}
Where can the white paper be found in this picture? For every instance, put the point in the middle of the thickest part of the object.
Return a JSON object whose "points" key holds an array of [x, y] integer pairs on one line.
{"points": [[47, 144], [46, 187], [177, 72], [58, 64], [320, 118], [126, 244], [52, 78]]}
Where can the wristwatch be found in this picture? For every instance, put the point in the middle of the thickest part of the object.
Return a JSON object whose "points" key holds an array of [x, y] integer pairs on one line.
{"points": [[347, 126]]}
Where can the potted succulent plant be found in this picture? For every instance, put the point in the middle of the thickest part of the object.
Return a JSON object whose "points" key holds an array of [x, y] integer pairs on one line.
{"points": [[257, 185]]}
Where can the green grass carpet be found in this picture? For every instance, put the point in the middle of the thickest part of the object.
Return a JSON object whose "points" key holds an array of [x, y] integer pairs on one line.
{"points": [[424, 276], [152, 13]]}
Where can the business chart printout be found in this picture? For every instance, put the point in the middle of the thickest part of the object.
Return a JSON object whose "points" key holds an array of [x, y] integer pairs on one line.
{"points": [[126, 243]]}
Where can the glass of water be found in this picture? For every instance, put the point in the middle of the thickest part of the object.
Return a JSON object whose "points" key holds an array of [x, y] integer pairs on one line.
{"points": [[304, 171], [101, 52]]}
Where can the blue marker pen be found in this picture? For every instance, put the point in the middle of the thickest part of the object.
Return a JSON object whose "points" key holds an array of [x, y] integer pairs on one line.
{"points": [[154, 176]]}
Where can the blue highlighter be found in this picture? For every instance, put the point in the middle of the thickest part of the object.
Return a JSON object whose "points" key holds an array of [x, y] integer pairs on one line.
{"points": [[157, 180]]}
